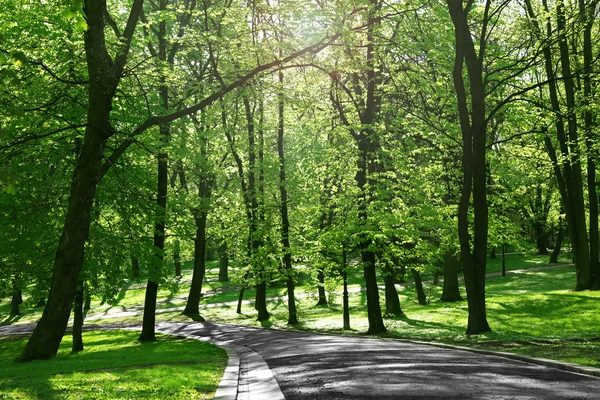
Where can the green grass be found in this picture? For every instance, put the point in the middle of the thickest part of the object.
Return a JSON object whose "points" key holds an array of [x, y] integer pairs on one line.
{"points": [[522, 261], [114, 366]]}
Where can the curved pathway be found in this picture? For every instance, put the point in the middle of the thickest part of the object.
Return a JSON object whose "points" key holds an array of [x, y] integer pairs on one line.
{"points": [[276, 364]]}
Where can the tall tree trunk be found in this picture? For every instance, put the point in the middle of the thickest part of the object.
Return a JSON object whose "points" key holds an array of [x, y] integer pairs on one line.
{"points": [[365, 179], [78, 319], [149, 320], [104, 76], [580, 244], [567, 167], [451, 292], [588, 15], [256, 241], [285, 222], [473, 127], [192, 307]]}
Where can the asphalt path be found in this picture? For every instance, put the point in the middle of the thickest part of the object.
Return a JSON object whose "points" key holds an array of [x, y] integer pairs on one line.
{"points": [[317, 366]]}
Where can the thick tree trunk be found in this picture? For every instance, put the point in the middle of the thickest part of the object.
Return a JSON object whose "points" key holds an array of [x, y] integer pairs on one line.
{"points": [[48, 333], [541, 241], [78, 320], [261, 302], [421, 298], [192, 307], [451, 292], [392, 301]]}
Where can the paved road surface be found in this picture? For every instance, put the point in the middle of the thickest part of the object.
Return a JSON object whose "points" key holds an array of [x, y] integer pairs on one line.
{"points": [[314, 366]]}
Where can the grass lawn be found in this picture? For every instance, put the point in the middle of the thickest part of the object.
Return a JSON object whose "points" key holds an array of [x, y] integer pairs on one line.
{"points": [[114, 366]]}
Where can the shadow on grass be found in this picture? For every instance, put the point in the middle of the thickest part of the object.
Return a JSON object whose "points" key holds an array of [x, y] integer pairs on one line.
{"points": [[12, 319]]}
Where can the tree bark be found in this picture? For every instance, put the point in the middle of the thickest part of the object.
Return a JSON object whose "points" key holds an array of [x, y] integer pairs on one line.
{"points": [[421, 298], [78, 320], [223, 263], [285, 222], [17, 297], [567, 169], [149, 319], [346, 312], [192, 307], [104, 76], [557, 246], [450, 292], [135, 267], [177, 259], [473, 127], [392, 301], [321, 289]]}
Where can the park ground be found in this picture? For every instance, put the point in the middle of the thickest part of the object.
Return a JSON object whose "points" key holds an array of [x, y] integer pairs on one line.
{"points": [[532, 311]]}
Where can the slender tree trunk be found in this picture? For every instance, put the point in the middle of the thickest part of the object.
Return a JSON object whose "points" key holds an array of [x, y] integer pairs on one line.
{"points": [[240, 299], [177, 259], [321, 289], [451, 292], [78, 320], [87, 305], [557, 246], [421, 298], [285, 222], [223, 263], [345, 293], [192, 307], [503, 260], [256, 242], [135, 267], [493, 253], [588, 16], [17, 297], [567, 167], [473, 127], [149, 319]]}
